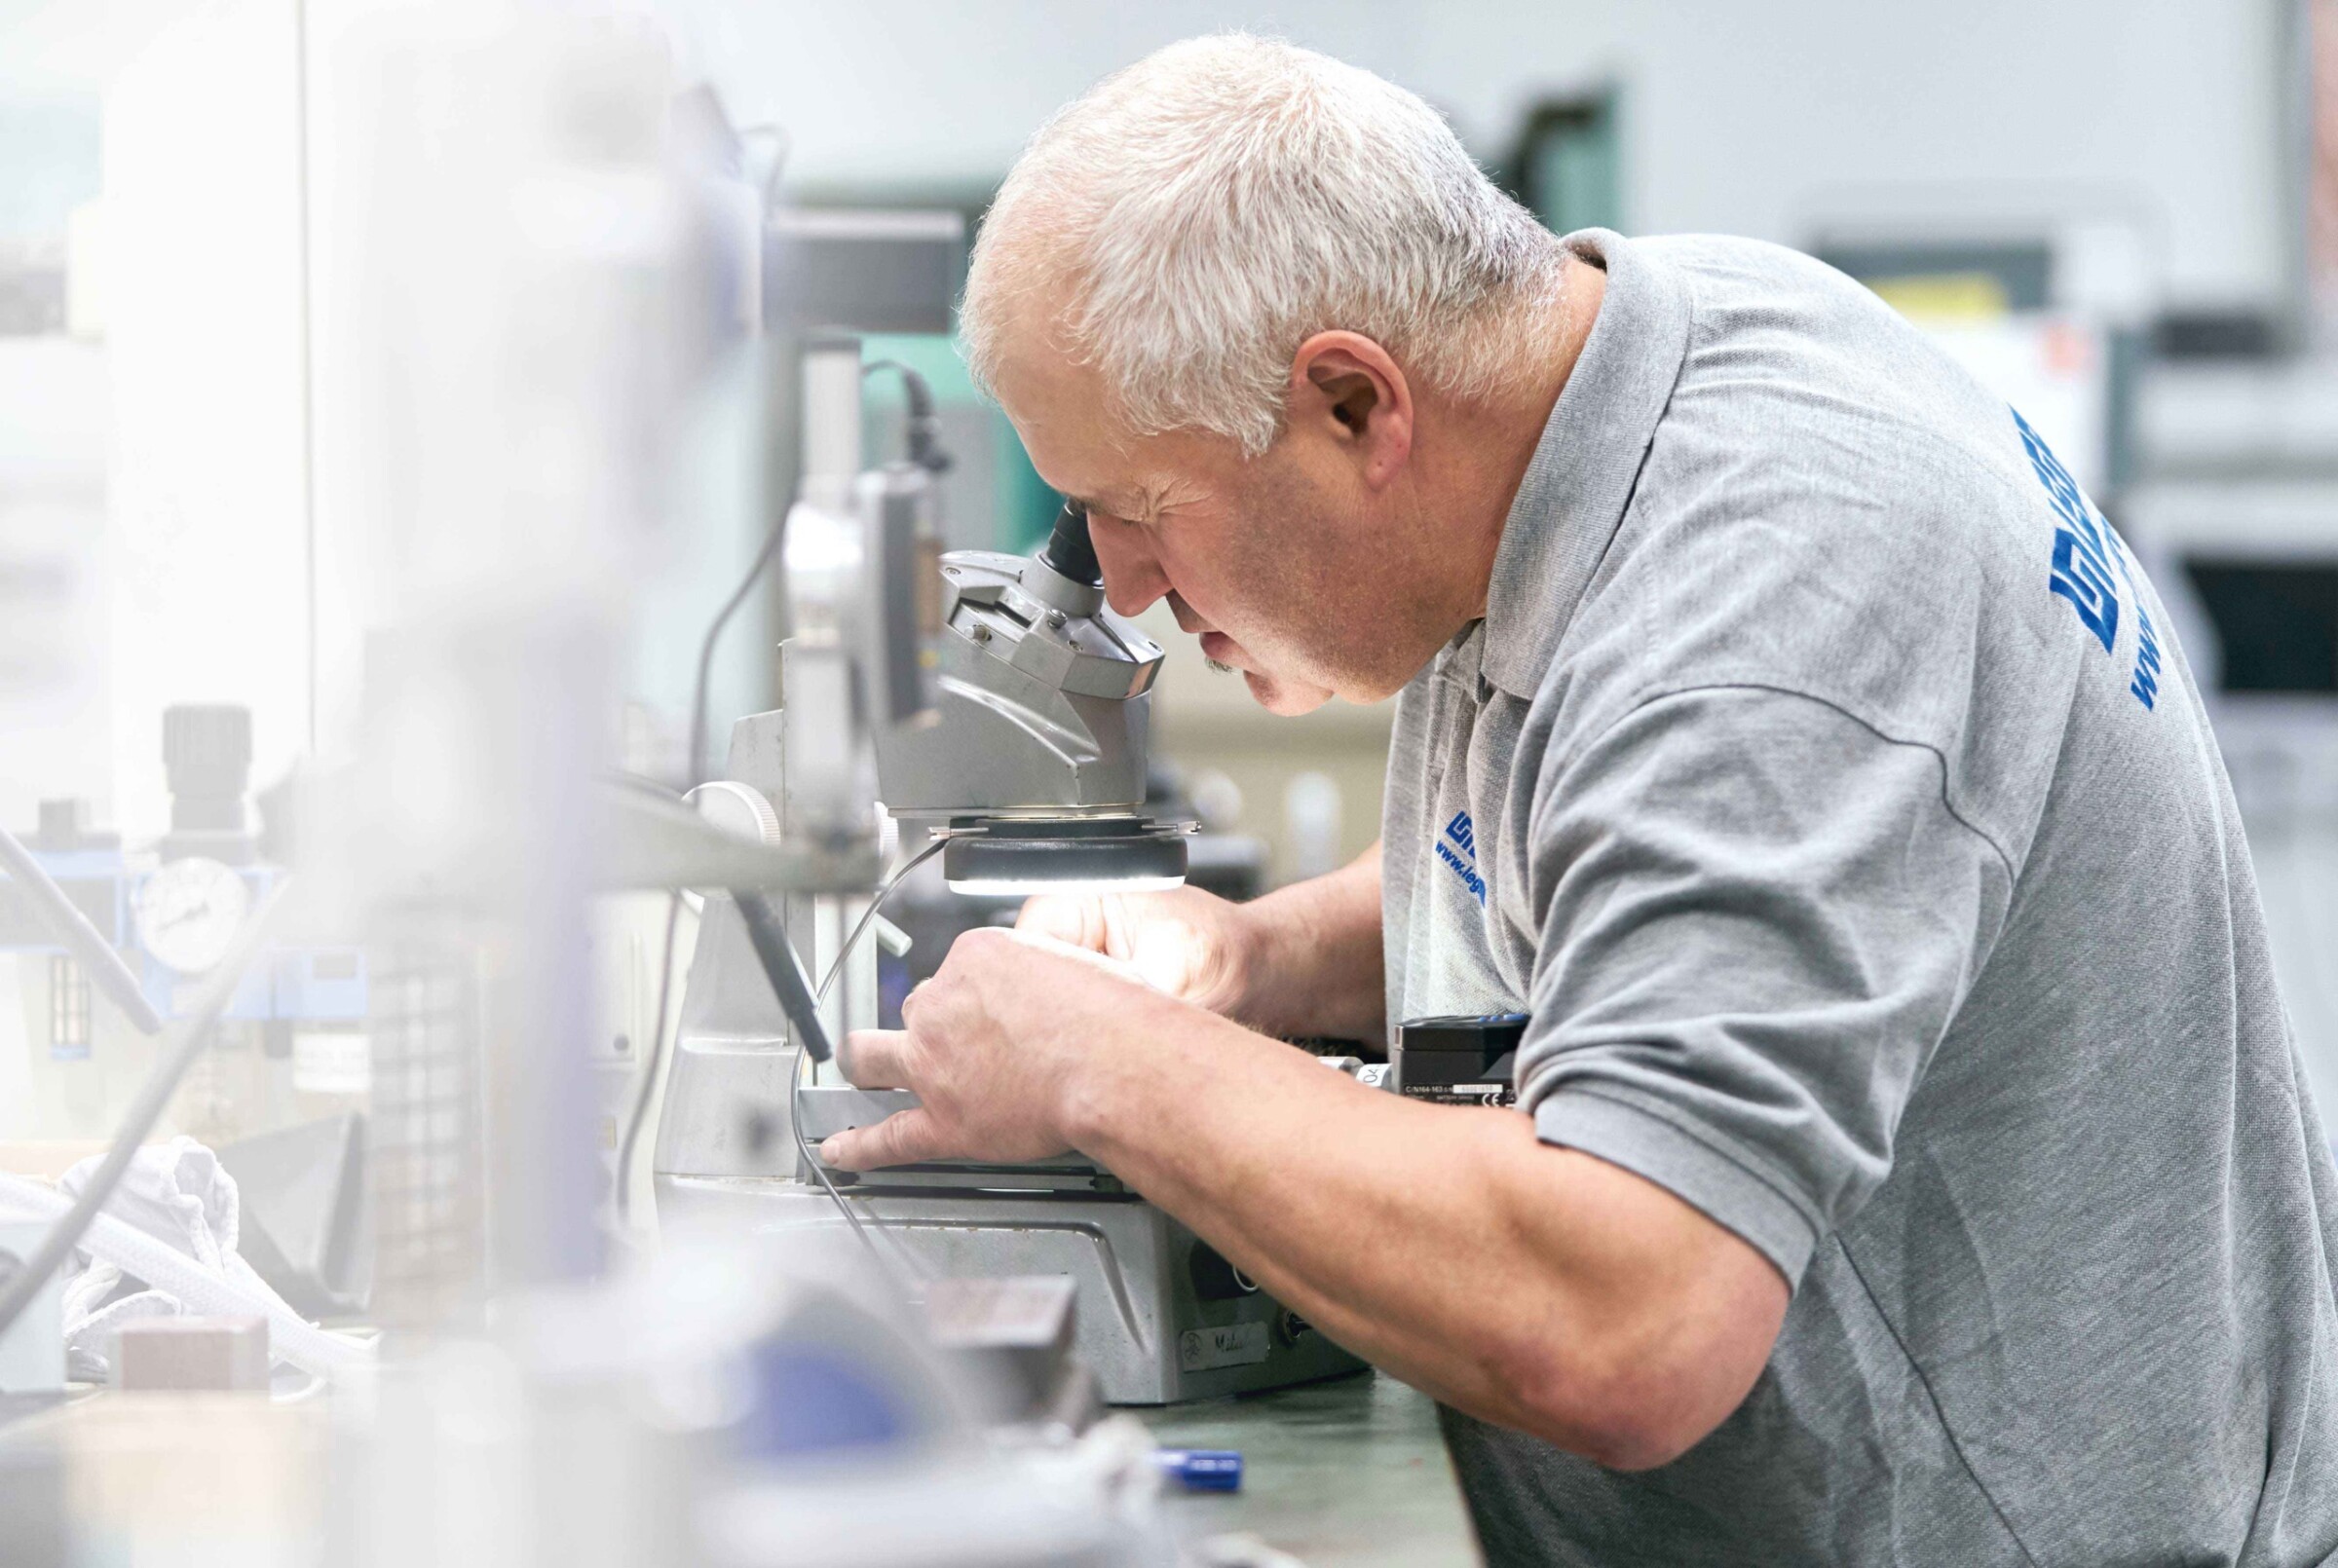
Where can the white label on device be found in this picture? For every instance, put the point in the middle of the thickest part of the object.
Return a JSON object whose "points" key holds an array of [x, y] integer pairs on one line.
{"points": [[1240, 1344]]}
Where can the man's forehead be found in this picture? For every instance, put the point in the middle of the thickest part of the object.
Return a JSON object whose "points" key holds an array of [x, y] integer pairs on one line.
{"points": [[1060, 409], [1054, 393], [1069, 422]]}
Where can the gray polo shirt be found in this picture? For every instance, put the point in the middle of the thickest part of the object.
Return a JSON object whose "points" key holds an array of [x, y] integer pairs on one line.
{"points": [[1826, 782]]}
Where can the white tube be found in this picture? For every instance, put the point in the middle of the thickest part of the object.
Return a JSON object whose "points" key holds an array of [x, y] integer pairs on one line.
{"points": [[290, 1336]]}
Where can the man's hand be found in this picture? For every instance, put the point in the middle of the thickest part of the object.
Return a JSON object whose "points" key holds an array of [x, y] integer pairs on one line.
{"points": [[1537, 1286], [1188, 944], [1303, 960], [993, 1045]]}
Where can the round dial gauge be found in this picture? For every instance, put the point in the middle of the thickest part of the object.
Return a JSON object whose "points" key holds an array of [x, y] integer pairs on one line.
{"points": [[189, 910]]}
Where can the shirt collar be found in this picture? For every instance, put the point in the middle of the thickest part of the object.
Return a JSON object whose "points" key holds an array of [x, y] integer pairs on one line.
{"points": [[1583, 471]]}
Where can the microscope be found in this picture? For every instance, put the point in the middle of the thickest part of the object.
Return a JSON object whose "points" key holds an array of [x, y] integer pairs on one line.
{"points": [[999, 708]]}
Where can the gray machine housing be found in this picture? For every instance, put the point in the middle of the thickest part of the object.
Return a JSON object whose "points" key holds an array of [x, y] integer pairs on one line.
{"points": [[1042, 705], [1141, 1320]]}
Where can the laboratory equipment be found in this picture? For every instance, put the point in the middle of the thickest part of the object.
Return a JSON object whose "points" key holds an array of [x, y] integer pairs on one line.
{"points": [[1033, 769], [170, 909], [1009, 723], [1466, 1060]]}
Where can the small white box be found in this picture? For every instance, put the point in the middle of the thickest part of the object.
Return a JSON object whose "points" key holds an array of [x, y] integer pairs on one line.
{"points": [[193, 1352]]}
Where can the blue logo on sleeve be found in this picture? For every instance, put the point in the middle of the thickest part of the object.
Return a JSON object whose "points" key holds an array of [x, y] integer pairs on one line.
{"points": [[1457, 847], [2086, 550]]}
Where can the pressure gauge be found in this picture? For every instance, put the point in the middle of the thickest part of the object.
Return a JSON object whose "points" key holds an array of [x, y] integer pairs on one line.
{"points": [[189, 910]]}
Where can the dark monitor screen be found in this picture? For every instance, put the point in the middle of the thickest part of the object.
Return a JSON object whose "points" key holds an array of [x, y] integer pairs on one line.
{"points": [[2275, 622]]}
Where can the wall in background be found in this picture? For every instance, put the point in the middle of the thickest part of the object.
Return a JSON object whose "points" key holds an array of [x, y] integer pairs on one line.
{"points": [[1780, 119], [153, 448], [1756, 117], [1767, 117]]}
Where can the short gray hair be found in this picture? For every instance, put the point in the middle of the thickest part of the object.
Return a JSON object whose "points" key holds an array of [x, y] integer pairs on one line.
{"points": [[1217, 203]]}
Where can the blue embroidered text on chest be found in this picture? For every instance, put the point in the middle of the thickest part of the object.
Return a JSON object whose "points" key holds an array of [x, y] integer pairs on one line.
{"points": [[2084, 552], [1458, 848]]}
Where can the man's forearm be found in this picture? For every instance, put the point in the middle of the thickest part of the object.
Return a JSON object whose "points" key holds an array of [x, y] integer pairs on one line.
{"points": [[1316, 967], [1530, 1285]]}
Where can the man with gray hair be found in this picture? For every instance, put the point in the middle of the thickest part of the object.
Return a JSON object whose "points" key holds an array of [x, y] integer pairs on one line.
{"points": [[1914, 1165]]}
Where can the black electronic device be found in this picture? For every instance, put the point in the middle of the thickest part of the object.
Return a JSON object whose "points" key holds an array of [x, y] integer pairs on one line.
{"points": [[1461, 1061]]}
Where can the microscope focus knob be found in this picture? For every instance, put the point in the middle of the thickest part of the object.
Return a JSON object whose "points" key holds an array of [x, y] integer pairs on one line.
{"points": [[740, 809]]}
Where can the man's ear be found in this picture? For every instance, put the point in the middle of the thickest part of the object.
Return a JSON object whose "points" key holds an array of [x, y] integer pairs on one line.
{"points": [[1346, 390]]}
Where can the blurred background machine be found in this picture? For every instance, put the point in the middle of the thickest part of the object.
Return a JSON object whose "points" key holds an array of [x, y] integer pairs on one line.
{"points": [[281, 1092], [174, 905]]}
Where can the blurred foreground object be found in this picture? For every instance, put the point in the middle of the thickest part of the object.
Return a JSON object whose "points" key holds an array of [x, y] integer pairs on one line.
{"points": [[193, 1352]]}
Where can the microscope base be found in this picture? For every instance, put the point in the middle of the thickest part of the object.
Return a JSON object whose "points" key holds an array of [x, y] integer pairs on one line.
{"points": [[1161, 1316]]}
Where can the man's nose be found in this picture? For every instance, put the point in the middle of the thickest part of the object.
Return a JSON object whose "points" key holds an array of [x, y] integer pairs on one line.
{"points": [[1132, 579]]}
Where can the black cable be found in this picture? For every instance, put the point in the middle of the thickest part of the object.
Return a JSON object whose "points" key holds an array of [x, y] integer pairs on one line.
{"points": [[642, 1091], [695, 766], [766, 934], [795, 1084], [692, 766], [925, 432], [925, 450], [785, 972], [695, 761], [800, 1005], [694, 771], [795, 1123], [218, 988], [783, 485]]}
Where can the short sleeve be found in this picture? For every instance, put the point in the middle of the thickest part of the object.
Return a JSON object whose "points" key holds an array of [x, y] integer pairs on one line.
{"points": [[1758, 917]]}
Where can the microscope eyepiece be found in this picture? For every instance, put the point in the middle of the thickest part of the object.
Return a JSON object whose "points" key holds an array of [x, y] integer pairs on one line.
{"points": [[1069, 551]]}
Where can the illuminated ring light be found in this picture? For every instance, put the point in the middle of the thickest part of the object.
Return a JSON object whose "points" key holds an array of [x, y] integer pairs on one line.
{"points": [[1010, 858]]}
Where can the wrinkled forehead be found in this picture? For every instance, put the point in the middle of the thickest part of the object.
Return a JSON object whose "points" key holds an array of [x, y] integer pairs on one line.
{"points": [[1085, 448], [1064, 415], [1059, 405], [1072, 425]]}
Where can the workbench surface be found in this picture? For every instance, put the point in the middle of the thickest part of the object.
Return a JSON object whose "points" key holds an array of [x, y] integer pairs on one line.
{"points": [[1344, 1474]]}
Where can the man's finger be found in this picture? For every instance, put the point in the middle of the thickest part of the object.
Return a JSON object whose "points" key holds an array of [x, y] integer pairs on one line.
{"points": [[1067, 918], [875, 1058], [904, 1138]]}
